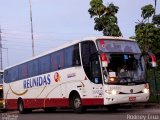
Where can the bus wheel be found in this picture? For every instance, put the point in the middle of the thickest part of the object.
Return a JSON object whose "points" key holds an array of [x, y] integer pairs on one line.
{"points": [[21, 108], [76, 104]]}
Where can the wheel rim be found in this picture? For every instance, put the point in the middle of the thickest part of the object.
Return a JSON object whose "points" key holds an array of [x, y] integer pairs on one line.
{"points": [[21, 106], [77, 103]]}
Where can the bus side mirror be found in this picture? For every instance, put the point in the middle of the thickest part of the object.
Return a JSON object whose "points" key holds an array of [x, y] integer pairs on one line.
{"points": [[150, 59], [153, 60], [104, 60]]}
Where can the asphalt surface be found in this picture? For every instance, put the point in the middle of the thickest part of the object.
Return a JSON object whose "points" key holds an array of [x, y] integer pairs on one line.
{"points": [[92, 114]]}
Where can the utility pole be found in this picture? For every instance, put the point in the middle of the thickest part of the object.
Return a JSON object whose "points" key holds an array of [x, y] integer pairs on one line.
{"points": [[30, 6], [1, 62], [155, 5]]}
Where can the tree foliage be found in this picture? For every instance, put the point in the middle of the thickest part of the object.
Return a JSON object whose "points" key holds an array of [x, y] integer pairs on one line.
{"points": [[147, 11], [104, 17], [148, 33], [156, 20]]}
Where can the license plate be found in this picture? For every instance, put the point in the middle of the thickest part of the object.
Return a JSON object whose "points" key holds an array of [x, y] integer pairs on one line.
{"points": [[132, 99]]}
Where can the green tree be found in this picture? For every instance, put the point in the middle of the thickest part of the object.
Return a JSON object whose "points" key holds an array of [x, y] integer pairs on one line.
{"points": [[147, 11], [148, 33], [156, 20], [148, 36], [104, 18]]}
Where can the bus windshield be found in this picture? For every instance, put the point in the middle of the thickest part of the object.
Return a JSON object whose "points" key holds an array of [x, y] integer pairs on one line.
{"points": [[119, 46], [124, 61]]}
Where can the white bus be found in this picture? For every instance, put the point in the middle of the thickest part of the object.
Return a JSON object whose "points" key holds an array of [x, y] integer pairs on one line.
{"points": [[97, 71]]}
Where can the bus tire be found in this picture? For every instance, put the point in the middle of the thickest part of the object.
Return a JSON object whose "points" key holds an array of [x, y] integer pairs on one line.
{"points": [[76, 104], [21, 108]]}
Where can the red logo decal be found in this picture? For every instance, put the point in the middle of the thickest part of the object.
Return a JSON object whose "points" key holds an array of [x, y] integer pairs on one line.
{"points": [[56, 77]]}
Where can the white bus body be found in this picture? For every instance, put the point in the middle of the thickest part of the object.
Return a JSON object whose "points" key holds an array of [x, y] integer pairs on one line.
{"points": [[78, 75]]}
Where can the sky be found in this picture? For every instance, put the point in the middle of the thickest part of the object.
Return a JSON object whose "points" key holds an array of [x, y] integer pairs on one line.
{"points": [[56, 22]]}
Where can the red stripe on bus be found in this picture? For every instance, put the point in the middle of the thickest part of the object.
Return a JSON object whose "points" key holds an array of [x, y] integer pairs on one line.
{"points": [[11, 104], [92, 101], [53, 102]]}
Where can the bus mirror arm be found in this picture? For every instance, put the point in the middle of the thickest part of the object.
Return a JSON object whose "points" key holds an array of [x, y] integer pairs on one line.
{"points": [[140, 61], [147, 64]]}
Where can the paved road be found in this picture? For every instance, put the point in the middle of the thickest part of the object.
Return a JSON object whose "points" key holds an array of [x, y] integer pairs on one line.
{"points": [[98, 114]]}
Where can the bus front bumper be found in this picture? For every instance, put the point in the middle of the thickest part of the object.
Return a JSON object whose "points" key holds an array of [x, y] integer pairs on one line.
{"points": [[125, 98]]}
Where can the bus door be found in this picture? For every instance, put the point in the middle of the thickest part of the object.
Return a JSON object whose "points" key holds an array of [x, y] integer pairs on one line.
{"points": [[95, 76], [91, 67]]}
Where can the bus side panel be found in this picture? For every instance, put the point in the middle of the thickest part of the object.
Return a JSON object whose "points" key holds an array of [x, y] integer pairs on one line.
{"points": [[57, 102], [42, 103], [11, 104], [92, 101], [33, 103], [54, 102]]}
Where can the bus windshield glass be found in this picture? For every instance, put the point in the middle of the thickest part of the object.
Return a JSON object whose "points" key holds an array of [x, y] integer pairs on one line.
{"points": [[124, 61], [118, 46]]}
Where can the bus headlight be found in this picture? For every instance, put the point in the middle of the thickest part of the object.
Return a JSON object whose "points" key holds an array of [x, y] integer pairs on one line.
{"points": [[112, 80], [145, 90], [112, 92]]}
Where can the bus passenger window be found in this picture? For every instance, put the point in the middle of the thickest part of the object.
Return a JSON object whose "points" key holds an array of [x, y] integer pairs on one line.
{"points": [[33, 68], [12, 74], [54, 65], [23, 71], [57, 60], [76, 56], [68, 54], [44, 64]]}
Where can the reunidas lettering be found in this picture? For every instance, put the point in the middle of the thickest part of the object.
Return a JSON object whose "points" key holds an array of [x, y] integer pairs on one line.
{"points": [[37, 81]]}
